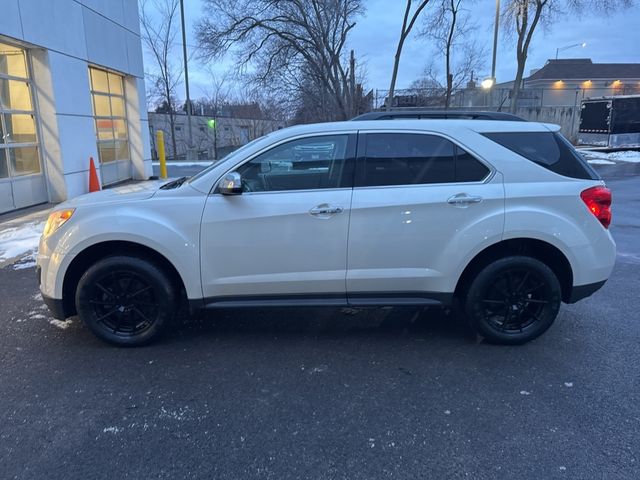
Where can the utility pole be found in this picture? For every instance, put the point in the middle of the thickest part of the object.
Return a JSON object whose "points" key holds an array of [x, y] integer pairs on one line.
{"points": [[495, 41], [186, 80], [352, 84]]}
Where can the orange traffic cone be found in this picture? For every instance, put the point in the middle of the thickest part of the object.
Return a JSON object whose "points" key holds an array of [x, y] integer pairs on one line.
{"points": [[94, 183]]}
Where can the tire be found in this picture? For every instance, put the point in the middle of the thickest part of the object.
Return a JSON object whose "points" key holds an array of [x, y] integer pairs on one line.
{"points": [[126, 301], [513, 300]]}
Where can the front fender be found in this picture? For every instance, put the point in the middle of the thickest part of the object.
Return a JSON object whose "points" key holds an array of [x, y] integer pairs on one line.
{"points": [[169, 226]]}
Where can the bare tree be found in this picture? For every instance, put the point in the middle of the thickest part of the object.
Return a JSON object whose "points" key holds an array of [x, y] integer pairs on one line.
{"points": [[451, 30], [408, 22], [283, 41], [522, 17], [158, 21], [218, 94]]}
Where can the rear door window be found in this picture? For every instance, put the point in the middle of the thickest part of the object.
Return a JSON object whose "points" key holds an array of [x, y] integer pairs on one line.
{"points": [[415, 159], [548, 149]]}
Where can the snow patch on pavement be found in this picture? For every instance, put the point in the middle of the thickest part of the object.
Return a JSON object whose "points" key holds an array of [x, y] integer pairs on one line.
{"points": [[601, 161], [608, 158], [63, 325], [204, 163], [20, 243]]}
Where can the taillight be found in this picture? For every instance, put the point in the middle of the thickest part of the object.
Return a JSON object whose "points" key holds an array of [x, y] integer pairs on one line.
{"points": [[598, 201]]}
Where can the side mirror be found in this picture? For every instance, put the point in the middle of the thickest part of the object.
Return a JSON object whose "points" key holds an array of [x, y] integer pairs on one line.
{"points": [[230, 184]]}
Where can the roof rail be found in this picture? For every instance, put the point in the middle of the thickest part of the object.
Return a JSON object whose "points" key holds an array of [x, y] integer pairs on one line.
{"points": [[439, 114]]}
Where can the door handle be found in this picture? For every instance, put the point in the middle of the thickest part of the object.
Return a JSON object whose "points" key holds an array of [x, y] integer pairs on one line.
{"points": [[325, 209], [463, 199]]}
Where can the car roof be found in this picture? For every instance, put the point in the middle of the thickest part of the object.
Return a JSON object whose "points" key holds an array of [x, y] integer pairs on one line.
{"points": [[429, 125], [422, 114]]}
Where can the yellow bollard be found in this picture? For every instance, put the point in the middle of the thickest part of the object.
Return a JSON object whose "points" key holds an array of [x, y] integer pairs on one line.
{"points": [[161, 154]]}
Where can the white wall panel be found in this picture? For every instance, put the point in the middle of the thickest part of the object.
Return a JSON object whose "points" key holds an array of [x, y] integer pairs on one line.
{"points": [[10, 19], [77, 142], [134, 55], [70, 85], [112, 9], [106, 41], [56, 25], [131, 19]]}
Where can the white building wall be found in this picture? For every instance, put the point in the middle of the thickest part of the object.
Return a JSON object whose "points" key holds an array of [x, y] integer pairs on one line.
{"points": [[64, 37]]}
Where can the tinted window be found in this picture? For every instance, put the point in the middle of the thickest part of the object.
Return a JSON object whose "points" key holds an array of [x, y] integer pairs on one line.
{"points": [[409, 159], [547, 149], [406, 159], [468, 168], [304, 164]]}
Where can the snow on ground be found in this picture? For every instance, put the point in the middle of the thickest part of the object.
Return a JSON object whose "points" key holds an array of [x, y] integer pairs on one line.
{"points": [[203, 163], [19, 240], [20, 243], [609, 158], [600, 161]]}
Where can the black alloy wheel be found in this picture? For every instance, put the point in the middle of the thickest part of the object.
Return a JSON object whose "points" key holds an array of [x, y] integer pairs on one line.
{"points": [[125, 300], [513, 300]]}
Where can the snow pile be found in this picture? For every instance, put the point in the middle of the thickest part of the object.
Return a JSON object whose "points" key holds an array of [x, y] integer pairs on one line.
{"points": [[600, 161], [609, 158], [20, 243], [178, 163]]}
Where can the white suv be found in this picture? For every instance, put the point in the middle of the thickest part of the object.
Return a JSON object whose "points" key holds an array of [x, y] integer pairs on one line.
{"points": [[504, 217]]}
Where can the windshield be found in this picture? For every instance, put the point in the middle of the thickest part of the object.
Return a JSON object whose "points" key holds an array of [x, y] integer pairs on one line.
{"points": [[226, 157]]}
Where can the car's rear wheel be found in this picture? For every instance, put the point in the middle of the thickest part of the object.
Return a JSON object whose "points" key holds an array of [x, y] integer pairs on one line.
{"points": [[125, 300], [513, 300]]}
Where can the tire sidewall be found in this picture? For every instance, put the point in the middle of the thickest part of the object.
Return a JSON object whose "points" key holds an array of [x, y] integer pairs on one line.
{"points": [[162, 286], [474, 307]]}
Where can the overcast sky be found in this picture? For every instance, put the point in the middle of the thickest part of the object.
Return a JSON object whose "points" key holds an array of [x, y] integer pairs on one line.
{"points": [[614, 39]]}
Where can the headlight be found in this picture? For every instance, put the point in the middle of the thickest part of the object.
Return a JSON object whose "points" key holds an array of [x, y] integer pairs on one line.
{"points": [[56, 220]]}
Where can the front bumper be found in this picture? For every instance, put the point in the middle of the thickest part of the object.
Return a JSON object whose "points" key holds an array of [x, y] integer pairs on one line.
{"points": [[56, 307]]}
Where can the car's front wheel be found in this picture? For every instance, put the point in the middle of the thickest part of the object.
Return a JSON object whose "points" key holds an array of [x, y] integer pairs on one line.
{"points": [[513, 300], [125, 300]]}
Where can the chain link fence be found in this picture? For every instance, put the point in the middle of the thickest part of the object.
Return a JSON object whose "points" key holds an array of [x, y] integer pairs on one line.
{"points": [[497, 98]]}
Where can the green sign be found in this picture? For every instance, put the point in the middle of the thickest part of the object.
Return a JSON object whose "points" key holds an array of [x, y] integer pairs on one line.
{"points": [[211, 123]]}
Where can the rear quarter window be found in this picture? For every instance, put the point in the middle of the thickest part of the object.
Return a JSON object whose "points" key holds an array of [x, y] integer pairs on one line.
{"points": [[547, 149]]}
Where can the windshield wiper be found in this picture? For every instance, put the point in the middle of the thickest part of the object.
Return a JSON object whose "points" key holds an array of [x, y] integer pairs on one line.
{"points": [[174, 183]]}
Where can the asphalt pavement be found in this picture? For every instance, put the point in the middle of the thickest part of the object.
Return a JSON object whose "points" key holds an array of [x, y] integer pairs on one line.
{"points": [[330, 393]]}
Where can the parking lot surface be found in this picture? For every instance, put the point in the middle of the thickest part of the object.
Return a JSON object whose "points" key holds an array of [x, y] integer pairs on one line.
{"points": [[329, 393]]}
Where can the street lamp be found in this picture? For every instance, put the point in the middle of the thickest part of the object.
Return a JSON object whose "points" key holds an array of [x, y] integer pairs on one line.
{"points": [[487, 83], [567, 47]]}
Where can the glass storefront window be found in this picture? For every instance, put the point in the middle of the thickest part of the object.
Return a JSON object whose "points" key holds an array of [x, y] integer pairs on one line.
{"points": [[107, 89], [20, 128], [122, 150], [24, 160], [117, 107], [115, 84], [4, 170], [119, 129], [19, 153], [99, 82], [12, 61], [104, 129], [101, 106], [107, 151], [14, 95]]}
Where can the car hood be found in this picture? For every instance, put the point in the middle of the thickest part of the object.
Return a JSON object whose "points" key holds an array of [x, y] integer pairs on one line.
{"points": [[124, 193]]}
